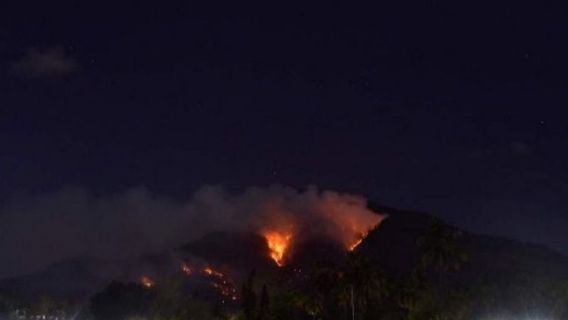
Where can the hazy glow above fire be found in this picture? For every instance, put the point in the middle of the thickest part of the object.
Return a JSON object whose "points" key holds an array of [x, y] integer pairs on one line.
{"points": [[287, 219], [360, 231], [351, 219], [278, 243]]}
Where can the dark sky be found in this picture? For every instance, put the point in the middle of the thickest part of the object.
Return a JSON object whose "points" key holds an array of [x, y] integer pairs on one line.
{"points": [[439, 107]]}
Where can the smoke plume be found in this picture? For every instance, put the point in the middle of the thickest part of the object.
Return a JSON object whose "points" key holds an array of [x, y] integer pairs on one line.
{"points": [[40, 230]]}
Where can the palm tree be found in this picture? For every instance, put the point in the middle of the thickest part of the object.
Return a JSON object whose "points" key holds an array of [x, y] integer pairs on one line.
{"points": [[422, 295], [365, 286], [170, 302], [322, 287], [440, 248]]}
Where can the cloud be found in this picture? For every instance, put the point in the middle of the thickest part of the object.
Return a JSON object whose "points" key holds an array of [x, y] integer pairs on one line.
{"points": [[50, 62], [40, 230]]}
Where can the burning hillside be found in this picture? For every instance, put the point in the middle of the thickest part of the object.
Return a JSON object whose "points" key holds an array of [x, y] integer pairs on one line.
{"points": [[220, 284], [284, 218], [260, 229], [280, 241], [152, 223], [286, 221], [278, 244]]}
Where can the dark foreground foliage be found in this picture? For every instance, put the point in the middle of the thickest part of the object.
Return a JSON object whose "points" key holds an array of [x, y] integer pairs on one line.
{"points": [[355, 286]]}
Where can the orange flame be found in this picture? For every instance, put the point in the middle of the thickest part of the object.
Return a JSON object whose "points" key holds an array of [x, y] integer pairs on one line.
{"points": [[278, 244], [147, 282], [342, 218]]}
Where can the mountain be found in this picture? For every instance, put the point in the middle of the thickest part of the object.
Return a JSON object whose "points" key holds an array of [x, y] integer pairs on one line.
{"points": [[78, 278], [393, 246], [241, 251]]}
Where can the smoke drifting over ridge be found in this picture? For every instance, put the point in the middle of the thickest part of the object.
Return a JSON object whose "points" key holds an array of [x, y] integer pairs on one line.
{"points": [[38, 231]]}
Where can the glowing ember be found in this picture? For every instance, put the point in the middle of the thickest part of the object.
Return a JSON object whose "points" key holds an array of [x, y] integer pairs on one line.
{"points": [[186, 269], [212, 272], [349, 220], [147, 282], [223, 284], [354, 231], [356, 243], [278, 244]]}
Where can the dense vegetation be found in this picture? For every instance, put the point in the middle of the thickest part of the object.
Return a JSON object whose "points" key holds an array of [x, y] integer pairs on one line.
{"points": [[353, 287]]}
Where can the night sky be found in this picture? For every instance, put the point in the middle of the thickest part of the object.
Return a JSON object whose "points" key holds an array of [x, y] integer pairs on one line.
{"points": [[437, 107]]}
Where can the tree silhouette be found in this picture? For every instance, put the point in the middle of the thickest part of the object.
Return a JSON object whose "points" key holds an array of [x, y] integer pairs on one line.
{"points": [[121, 300], [170, 302], [7, 305], [264, 304], [364, 288], [422, 294], [254, 309], [440, 248], [249, 298]]}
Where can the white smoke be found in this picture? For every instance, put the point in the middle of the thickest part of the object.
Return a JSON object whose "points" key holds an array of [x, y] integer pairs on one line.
{"points": [[40, 230]]}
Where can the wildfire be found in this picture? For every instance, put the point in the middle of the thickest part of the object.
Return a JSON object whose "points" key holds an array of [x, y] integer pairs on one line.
{"points": [[361, 233], [147, 282], [212, 272], [354, 231], [278, 244], [223, 284], [357, 242], [186, 269]]}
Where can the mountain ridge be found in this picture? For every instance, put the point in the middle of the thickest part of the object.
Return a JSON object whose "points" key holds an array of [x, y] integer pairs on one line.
{"points": [[392, 245]]}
